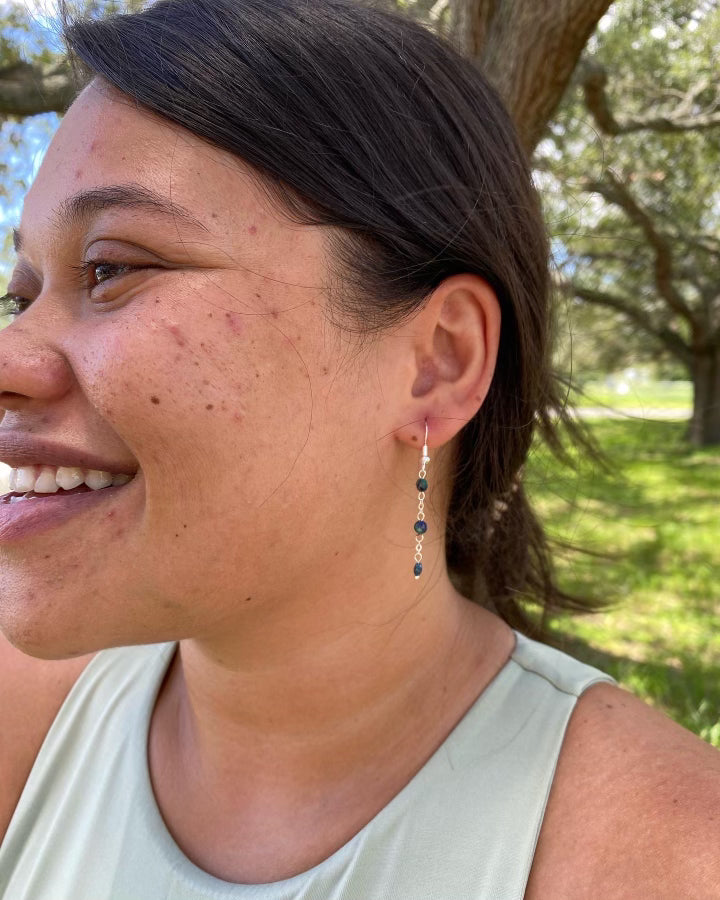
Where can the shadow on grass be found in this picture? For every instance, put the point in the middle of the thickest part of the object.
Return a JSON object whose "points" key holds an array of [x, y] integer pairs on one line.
{"points": [[680, 685]]}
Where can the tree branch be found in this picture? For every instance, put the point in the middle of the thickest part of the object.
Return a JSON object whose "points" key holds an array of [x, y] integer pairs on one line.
{"points": [[674, 343], [437, 9], [27, 89], [594, 83], [614, 191]]}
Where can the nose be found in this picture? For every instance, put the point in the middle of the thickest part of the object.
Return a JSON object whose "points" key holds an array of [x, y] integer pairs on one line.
{"points": [[32, 372]]}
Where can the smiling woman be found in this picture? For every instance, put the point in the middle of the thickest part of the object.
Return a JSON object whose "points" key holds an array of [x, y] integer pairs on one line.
{"points": [[280, 341]]}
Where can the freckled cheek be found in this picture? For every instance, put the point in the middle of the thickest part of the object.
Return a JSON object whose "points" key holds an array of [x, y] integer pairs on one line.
{"points": [[152, 378]]}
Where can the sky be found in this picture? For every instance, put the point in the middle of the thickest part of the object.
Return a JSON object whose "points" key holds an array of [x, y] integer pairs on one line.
{"points": [[23, 144]]}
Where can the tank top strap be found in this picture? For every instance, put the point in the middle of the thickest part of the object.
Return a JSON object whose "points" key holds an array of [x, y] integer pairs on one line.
{"points": [[87, 826]]}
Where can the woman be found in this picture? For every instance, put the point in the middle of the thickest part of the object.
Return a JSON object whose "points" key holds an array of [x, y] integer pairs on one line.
{"points": [[281, 327]]}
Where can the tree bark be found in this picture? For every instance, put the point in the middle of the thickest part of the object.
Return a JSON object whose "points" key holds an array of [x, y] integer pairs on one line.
{"points": [[705, 422], [27, 89], [528, 49]]}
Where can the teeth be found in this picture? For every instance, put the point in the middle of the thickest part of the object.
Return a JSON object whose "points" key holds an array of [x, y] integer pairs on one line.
{"points": [[46, 483], [96, 479], [68, 477], [26, 478], [47, 479]]}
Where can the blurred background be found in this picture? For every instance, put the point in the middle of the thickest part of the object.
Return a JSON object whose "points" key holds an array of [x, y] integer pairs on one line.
{"points": [[618, 106]]}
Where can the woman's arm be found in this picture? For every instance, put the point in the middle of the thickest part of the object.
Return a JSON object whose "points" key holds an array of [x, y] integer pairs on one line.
{"points": [[634, 808]]}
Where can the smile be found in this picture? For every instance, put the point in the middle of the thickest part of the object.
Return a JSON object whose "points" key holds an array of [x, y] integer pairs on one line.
{"points": [[36, 513]]}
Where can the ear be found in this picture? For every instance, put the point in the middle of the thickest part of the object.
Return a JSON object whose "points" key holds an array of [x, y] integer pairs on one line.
{"points": [[454, 342]]}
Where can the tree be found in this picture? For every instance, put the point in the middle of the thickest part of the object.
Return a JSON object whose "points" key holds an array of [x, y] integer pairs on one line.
{"points": [[35, 79], [631, 183], [512, 39]]}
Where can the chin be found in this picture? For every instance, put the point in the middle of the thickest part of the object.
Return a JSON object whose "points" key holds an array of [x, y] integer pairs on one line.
{"points": [[41, 644], [44, 631]]}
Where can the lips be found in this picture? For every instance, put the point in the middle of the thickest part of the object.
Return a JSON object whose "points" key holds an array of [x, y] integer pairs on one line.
{"points": [[18, 449], [22, 519]]}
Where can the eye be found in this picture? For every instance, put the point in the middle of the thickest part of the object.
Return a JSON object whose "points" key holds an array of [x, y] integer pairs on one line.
{"points": [[101, 269], [11, 305], [88, 274]]}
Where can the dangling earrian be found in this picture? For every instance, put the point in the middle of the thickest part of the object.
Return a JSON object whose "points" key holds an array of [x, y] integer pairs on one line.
{"points": [[420, 524]]}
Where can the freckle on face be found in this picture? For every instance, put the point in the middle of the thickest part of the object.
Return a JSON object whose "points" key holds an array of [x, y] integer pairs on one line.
{"points": [[178, 335], [234, 322], [155, 399]]}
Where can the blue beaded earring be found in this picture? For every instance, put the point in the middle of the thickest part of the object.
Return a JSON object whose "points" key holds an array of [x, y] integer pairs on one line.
{"points": [[420, 524]]}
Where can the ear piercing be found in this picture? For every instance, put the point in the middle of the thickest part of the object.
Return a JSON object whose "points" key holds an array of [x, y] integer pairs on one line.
{"points": [[420, 524]]}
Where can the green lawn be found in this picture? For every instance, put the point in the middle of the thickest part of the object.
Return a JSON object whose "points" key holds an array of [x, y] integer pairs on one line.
{"points": [[656, 516], [653, 395]]}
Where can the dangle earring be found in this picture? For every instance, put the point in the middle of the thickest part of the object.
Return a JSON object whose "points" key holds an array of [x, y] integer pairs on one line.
{"points": [[421, 525]]}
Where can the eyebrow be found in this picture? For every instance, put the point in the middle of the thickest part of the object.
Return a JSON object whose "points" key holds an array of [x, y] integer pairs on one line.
{"points": [[80, 208]]}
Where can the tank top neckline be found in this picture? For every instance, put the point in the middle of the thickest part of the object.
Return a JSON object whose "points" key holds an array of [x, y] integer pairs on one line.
{"points": [[198, 878]]}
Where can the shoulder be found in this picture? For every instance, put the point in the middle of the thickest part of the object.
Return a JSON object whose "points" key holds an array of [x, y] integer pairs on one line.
{"points": [[634, 809], [32, 692]]}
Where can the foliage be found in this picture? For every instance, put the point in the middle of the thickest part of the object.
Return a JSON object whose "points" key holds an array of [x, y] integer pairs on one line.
{"points": [[661, 59], [651, 528]]}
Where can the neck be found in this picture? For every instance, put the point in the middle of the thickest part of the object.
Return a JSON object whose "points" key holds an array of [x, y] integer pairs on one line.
{"points": [[312, 693]]}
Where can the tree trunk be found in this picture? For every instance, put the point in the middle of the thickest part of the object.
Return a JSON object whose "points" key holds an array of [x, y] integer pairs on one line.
{"points": [[705, 422], [528, 49]]}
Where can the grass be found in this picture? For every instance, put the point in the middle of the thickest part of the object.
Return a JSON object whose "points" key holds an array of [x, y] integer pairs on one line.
{"points": [[653, 533], [649, 396]]}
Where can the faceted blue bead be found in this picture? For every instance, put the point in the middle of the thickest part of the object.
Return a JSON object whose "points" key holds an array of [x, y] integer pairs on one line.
{"points": [[418, 569], [421, 484], [420, 526]]}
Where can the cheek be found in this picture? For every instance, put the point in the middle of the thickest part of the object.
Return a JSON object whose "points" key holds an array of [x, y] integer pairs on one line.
{"points": [[209, 387]]}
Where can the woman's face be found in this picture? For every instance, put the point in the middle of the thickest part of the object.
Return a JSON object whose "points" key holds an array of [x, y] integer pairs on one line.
{"points": [[207, 365]]}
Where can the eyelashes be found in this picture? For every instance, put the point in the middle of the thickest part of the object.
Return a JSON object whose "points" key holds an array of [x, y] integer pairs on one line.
{"points": [[81, 272], [12, 305]]}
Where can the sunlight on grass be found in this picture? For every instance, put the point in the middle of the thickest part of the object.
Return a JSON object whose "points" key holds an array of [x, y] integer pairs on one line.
{"points": [[647, 396], [653, 521]]}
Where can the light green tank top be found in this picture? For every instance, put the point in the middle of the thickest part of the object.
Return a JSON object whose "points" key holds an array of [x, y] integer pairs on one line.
{"points": [[465, 827]]}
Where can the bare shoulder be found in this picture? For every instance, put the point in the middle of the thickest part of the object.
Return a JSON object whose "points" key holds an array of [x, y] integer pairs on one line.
{"points": [[32, 692], [634, 810]]}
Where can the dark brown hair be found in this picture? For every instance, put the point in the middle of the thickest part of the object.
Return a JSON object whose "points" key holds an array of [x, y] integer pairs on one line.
{"points": [[360, 119]]}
